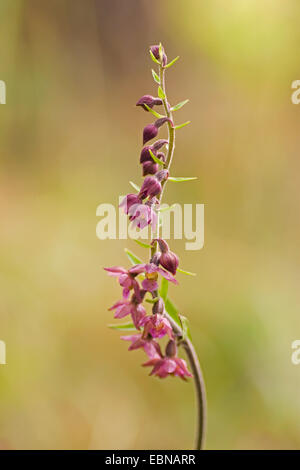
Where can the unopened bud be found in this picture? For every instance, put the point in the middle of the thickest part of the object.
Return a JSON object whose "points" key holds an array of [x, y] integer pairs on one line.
{"points": [[151, 187], [162, 175], [171, 348], [155, 52], [149, 132], [149, 100], [158, 307]]}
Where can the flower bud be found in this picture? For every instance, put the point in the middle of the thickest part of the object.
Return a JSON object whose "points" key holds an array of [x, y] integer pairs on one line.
{"points": [[145, 154], [129, 201], [149, 132], [159, 122], [158, 307], [171, 348], [162, 175], [151, 187], [149, 100], [169, 261], [163, 246], [159, 144], [150, 168], [155, 52]]}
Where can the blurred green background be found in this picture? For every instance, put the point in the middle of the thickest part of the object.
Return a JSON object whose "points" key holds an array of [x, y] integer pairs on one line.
{"points": [[70, 139]]}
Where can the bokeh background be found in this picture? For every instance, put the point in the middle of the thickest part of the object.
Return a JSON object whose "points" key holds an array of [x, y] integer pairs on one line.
{"points": [[70, 139]]}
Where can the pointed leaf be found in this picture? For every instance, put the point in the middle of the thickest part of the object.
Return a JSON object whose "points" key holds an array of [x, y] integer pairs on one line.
{"points": [[179, 105], [160, 50], [182, 125], [135, 186], [155, 113], [123, 327], [186, 272], [172, 62], [161, 93], [155, 77], [179, 179], [132, 257], [153, 57], [164, 289], [185, 327], [157, 160], [144, 245], [172, 311]]}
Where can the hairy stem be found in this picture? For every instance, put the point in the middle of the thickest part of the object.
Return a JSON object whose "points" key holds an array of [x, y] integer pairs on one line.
{"points": [[186, 343]]}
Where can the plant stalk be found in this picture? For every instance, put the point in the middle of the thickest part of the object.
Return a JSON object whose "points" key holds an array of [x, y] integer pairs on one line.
{"points": [[186, 343]]}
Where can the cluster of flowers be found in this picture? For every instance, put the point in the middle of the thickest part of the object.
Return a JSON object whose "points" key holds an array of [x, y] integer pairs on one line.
{"points": [[140, 208], [155, 326]]}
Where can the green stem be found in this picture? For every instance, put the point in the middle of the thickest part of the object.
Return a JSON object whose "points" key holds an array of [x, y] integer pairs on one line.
{"points": [[187, 344]]}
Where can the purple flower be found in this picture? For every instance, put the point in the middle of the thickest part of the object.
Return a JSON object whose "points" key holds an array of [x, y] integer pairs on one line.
{"points": [[133, 307], [149, 100], [151, 271], [151, 130], [126, 279], [169, 364], [128, 201], [151, 187], [142, 215], [150, 346], [155, 52], [158, 326]]}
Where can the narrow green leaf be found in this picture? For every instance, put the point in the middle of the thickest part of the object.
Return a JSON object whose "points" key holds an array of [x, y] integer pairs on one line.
{"points": [[144, 245], [135, 186], [186, 272], [157, 160], [132, 257], [182, 125], [155, 77], [185, 327], [172, 62], [155, 113], [164, 289], [160, 93], [179, 105], [172, 311], [160, 50], [154, 58], [123, 327], [179, 179]]}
